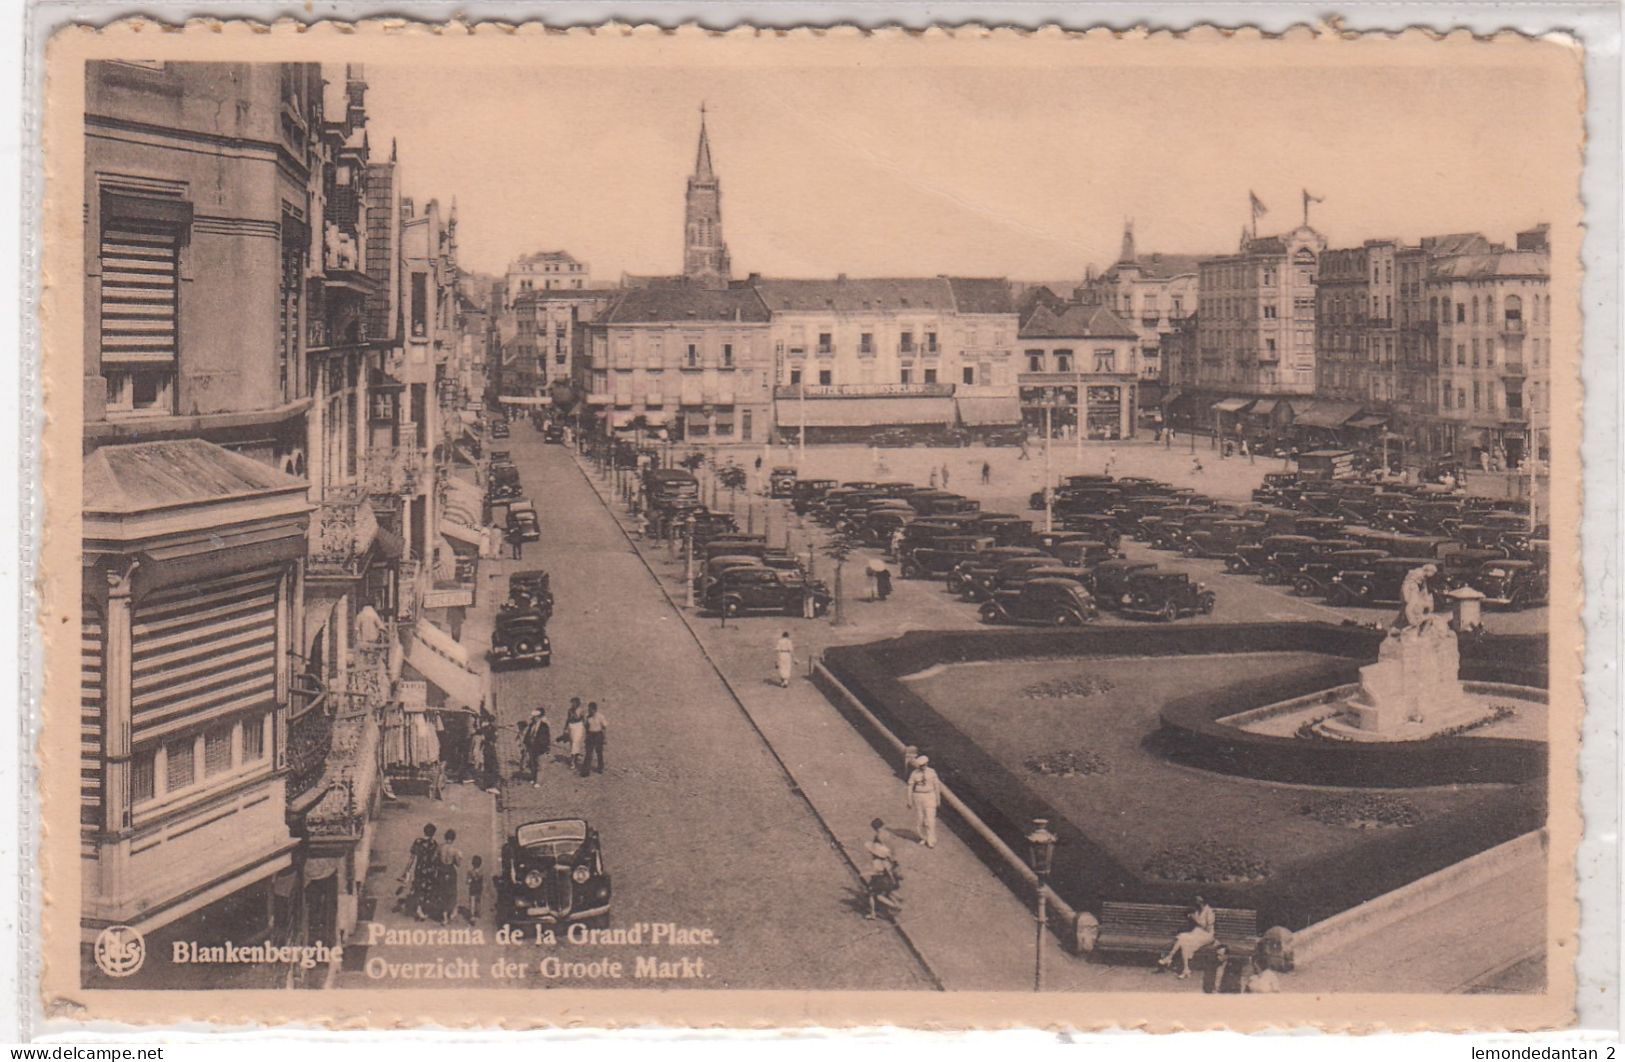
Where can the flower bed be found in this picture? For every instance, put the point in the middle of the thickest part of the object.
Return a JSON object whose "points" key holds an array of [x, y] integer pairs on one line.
{"points": [[1059, 689], [1208, 863], [1363, 811], [1068, 763]]}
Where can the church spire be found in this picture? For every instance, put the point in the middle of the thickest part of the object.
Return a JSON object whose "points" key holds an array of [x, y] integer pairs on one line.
{"points": [[705, 254], [1128, 242], [702, 159]]}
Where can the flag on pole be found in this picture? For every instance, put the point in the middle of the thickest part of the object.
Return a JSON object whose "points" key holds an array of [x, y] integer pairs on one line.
{"points": [[1307, 199], [1259, 209]]}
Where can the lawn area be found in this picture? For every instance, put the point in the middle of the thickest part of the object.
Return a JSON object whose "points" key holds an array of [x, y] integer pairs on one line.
{"points": [[1086, 720]]}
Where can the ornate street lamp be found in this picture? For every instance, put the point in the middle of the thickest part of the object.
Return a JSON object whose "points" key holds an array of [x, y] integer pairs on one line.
{"points": [[1041, 856]]}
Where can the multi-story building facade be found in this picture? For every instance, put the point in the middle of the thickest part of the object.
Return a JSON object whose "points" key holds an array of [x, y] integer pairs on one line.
{"points": [[1150, 293], [545, 271], [554, 331], [1256, 333], [198, 237], [1492, 313], [1080, 370], [690, 359]]}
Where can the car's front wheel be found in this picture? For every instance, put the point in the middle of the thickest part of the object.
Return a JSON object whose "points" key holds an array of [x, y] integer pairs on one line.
{"points": [[1205, 604], [988, 613], [732, 607], [1170, 612]]}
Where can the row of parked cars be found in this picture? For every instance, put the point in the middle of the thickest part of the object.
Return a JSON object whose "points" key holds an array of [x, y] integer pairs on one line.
{"points": [[1000, 562], [1350, 543]]}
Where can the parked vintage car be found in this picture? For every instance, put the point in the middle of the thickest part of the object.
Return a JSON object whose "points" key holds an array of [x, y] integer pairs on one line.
{"points": [[1048, 602], [522, 517], [519, 639], [1222, 538], [1377, 582], [781, 482], [552, 872], [1048, 540], [1168, 595], [879, 525], [1512, 584], [805, 492], [711, 570], [1258, 558], [499, 429], [752, 588], [980, 581], [988, 557], [939, 556], [1277, 487], [1084, 553], [1004, 437], [1171, 533], [503, 483], [1084, 577], [1098, 526], [553, 433], [1315, 573], [530, 590], [1112, 576], [1005, 529]]}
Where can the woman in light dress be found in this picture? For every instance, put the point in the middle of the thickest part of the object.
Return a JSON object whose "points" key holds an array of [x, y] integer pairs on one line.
{"points": [[1188, 943]]}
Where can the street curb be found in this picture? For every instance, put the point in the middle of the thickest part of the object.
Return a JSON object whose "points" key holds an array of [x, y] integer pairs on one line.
{"points": [[795, 785]]}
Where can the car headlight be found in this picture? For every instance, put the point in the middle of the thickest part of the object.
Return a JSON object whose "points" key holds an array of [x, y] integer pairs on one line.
{"points": [[580, 875], [1128, 599], [533, 879]]}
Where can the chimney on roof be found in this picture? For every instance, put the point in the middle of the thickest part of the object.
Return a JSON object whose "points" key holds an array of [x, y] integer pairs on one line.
{"points": [[840, 278]]}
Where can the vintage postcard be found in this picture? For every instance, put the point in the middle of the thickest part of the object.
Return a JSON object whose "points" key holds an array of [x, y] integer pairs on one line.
{"points": [[964, 528]]}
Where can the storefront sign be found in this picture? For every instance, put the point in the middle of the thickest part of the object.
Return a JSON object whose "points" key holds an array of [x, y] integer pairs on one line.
{"points": [[448, 598]]}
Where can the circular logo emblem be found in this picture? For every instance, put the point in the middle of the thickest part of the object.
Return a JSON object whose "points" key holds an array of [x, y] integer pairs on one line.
{"points": [[120, 951]]}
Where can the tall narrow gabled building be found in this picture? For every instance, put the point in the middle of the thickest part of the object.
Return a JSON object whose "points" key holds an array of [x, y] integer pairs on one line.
{"points": [[705, 255]]}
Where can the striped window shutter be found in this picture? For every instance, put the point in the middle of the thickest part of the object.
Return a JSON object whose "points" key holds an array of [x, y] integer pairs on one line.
{"points": [[203, 651], [139, 272], [91, 719]]}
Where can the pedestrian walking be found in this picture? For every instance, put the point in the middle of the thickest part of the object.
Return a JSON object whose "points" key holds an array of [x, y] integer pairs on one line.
{"points": [[897, 544], [1196, 466], [538, 740], [575, 735], [490, 757], [446, 879], [1246, 451], [1111, 460], [516, 542], [786, 652], [1024, 455], [933, 479], [476, 888], [595, 737], [945, 475], [883, 879], [924, 795], [883, 583], [987, 472], [414, 880], [809, 602]]}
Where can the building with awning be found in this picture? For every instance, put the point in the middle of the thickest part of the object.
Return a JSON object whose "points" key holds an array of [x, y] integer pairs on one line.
{"points": [[1368, 421], [1323, 414], [856, 411], [1231, 405], [988, 411], [191, 552]]}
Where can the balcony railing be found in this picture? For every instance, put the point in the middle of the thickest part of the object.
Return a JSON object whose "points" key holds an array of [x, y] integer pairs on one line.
{"points": [[398, 473], [1514, 369], [1512, 326], [341, 531]]}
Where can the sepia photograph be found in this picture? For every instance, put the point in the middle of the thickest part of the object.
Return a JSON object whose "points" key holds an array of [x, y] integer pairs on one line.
{"points": [[927, 526]]}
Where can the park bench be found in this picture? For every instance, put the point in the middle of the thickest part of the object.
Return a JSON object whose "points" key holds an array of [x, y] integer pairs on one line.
{"points": [[1150, 928]]}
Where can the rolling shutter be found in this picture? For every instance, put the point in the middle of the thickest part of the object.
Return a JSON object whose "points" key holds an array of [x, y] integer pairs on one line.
{"points": [[139, 270], [203, 651], [90, 719]]}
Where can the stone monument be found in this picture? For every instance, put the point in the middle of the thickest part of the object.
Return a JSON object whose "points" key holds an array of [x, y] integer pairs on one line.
{"points": [[1414, 689]]}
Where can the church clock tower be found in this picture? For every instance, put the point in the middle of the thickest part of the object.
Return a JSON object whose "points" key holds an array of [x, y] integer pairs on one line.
{"points": [[705, 255]]}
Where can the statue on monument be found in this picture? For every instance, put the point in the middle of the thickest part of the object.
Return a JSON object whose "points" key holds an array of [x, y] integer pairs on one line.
{"points": [[1416, 597]]}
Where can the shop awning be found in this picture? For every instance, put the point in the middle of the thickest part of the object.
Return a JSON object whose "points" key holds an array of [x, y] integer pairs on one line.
{"points": [[1367, 420], [456, 532], [525, 400], [622, 419], [389, 544], [866, 412], [998, 412], [430, 656], [1264, 407], [1231, 405], [1325, 414], [657, 419], [597, 400]]}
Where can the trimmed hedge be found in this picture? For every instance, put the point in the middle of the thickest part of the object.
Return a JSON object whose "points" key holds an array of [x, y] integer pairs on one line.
{"points": [[1086, 874]]}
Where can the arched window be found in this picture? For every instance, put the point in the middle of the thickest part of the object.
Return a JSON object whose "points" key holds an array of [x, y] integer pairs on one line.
{"points": [[1514, 312]]}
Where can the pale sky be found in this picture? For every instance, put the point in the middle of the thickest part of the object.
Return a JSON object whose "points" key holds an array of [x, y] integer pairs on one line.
{"points": [[880, 170]]}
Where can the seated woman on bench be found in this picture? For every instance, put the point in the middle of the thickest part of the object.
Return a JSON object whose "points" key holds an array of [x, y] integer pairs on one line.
{"points": [[1192, 940]]}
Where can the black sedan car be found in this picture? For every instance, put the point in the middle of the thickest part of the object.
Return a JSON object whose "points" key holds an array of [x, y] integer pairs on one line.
{"points": [[1165, 595], [520, 639], [1511, 584], [553, 872], [1045, 602]]}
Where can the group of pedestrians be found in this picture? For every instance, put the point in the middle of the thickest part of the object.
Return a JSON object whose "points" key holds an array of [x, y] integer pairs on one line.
{"points": [[584, 732], [428, 888]]}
